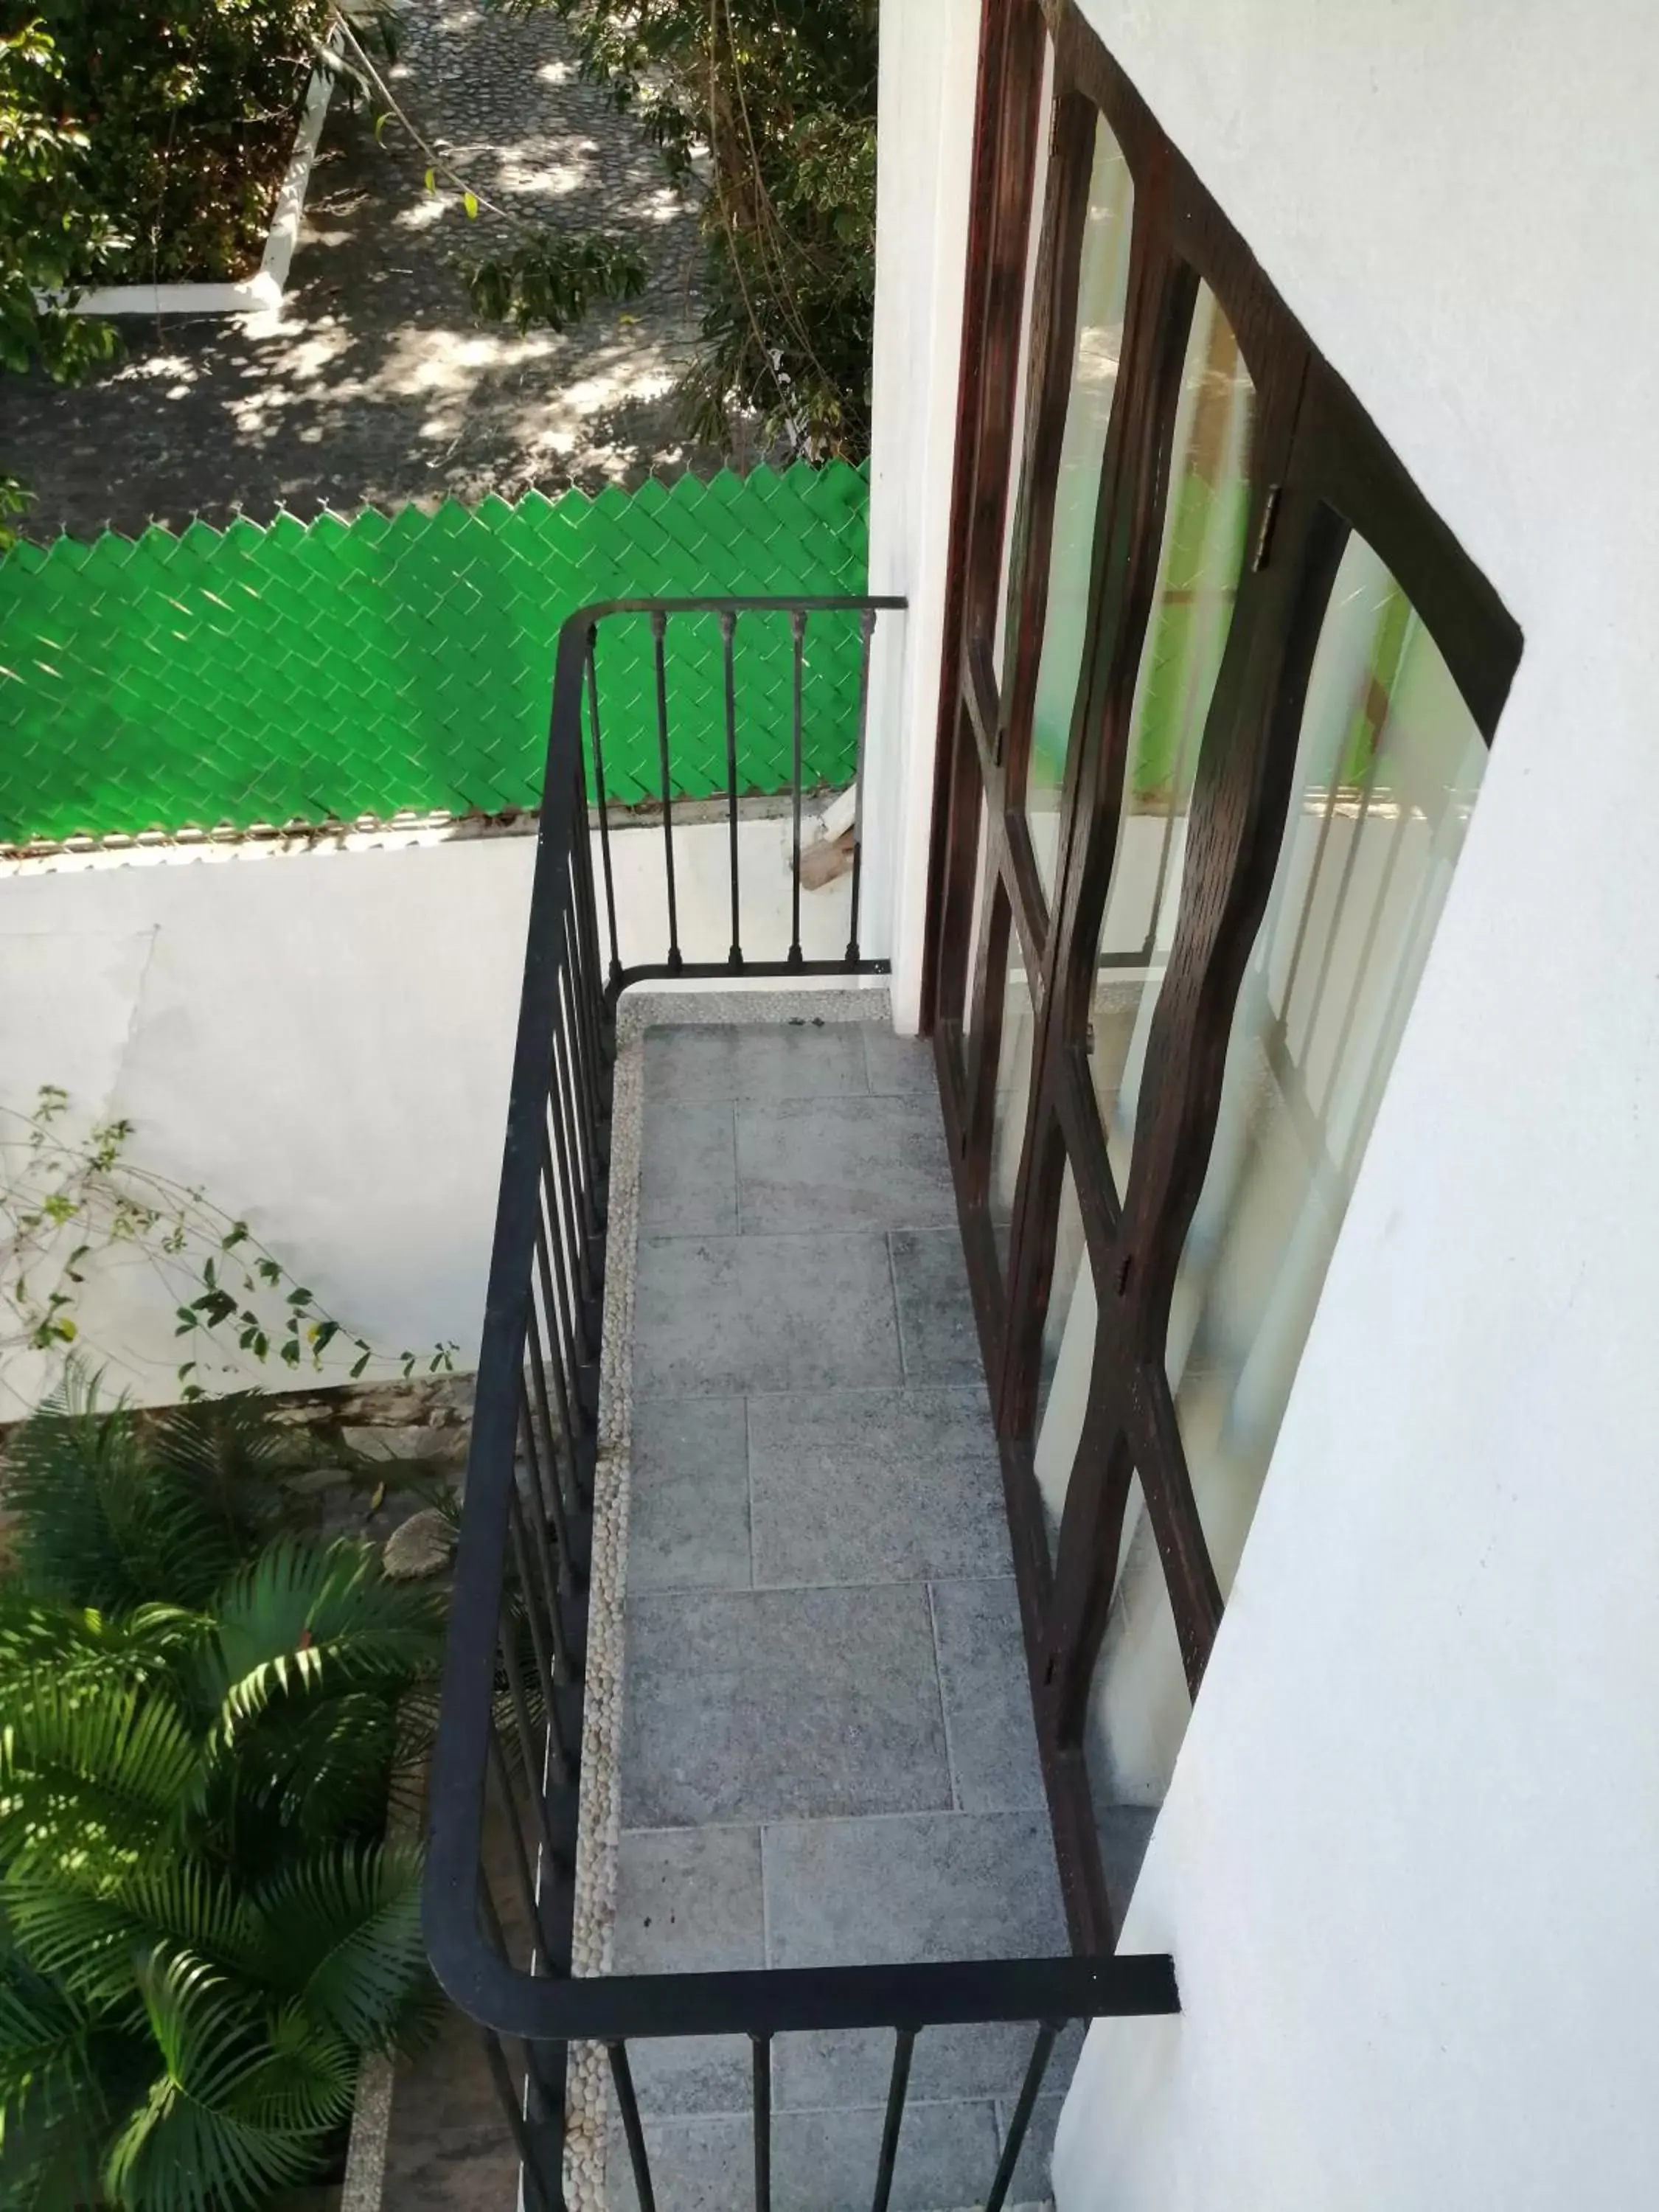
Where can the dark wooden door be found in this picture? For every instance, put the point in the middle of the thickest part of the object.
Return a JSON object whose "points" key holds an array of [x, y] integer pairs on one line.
{"points": [[1157, 478]]}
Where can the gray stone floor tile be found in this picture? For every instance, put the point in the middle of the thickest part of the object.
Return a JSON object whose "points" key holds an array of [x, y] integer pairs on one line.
{"points": [[1032, 2183], [821, 2162], [826, 2161], [987, 1700], [899, 1068], [924, 1887], [769, 1704], [687, 1511], [699, 2165], [685, 2075], [937, 1334], [874, 1486], [842, 1163], [952, 1885], [689, 1902], [688, 1171], [850, 2067], [767, 1061], [719, 1313]]}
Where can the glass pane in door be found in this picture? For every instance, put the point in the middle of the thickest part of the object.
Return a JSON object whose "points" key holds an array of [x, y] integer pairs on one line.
{"points": [[1389, 765], [1022, 387], [1068, 1360], [1138, 1705], [1011, 1106], [1102, 291], [1199, 563]]}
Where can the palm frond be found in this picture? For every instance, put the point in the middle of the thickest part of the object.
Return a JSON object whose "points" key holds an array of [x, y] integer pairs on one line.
{"points": [[78, 1643], [233, 1456], [316, 1770], [342, 1932], [305, 1617], [234, 2110], [95, 1765], [98, 1520], [51, 2111], [83, 1929]]}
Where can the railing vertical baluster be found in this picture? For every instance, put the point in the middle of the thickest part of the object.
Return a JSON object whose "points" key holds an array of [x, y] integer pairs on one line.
{"points": [[556, 1354], [797, 632], [604, 808], [588, 1037], [728, 641], [659, 635], [525, 1733], [561, 1274], [575, 1360], [536, 2188], [556, 1574], [573, 1046], [552, 1491], [551, 1573], [904, 2045], [557, 1664], [1022, 2118], [867, 630], [492, 1918], [521, 1867], [763, 2044], [622, 2075], [575, 1242], [586, 906]]}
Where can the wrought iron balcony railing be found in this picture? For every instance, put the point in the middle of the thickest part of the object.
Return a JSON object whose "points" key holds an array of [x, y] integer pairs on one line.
{"points": [[510, 1738]]}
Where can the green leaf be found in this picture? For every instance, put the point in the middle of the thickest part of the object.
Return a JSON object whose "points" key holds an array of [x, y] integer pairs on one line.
{"points": [[240, 2104], [431, 180], [470, 202], [341, 1932]]}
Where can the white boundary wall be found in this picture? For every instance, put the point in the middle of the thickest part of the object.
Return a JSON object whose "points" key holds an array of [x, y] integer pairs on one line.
{"points": [[1409, 1863], [323, 1040]]}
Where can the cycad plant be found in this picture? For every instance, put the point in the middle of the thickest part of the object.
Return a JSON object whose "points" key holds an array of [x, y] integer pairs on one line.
{"points": [[201, 1929]]}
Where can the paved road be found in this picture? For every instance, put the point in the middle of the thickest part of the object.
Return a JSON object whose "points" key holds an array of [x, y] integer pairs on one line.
{"points": [[376, 386]]}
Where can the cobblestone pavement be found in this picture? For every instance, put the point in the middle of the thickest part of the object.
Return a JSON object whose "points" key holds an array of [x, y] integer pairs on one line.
{"points": [[374, 385]]}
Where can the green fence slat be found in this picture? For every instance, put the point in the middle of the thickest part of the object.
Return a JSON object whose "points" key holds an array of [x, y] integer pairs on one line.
{"points": [[370, 665]]}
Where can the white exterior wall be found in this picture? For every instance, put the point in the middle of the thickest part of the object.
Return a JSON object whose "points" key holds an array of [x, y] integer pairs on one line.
{"points": [[322, 1041], [1409, 1863], [924, 138]]}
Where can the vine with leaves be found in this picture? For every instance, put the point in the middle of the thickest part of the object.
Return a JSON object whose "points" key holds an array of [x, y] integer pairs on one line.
{"points": [[70, 1200]]}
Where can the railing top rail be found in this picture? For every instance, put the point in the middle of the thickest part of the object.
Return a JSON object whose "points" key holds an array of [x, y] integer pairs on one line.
{"points": [[782, 2001], [835, 603]]}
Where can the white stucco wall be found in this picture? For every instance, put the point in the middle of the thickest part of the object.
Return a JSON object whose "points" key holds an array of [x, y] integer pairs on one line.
{"points": [[1409, 1861], [929, 53], [322, 1041]]}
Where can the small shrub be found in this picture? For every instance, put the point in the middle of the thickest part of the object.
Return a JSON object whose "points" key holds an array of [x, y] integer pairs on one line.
{"points": [[202, 1930]]}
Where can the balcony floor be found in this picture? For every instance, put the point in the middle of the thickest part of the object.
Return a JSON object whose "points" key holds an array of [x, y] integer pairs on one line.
{"points": [[827, 1753]]}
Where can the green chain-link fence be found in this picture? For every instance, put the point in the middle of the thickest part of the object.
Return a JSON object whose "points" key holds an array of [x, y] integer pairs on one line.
{"points": [[321, 671]]}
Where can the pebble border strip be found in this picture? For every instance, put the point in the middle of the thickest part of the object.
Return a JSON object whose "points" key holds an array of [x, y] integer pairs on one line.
{"points": [[587, 2097]]}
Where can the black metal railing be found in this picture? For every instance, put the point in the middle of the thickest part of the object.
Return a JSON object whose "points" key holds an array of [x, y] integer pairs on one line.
{"points": [[500, 1887]]}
